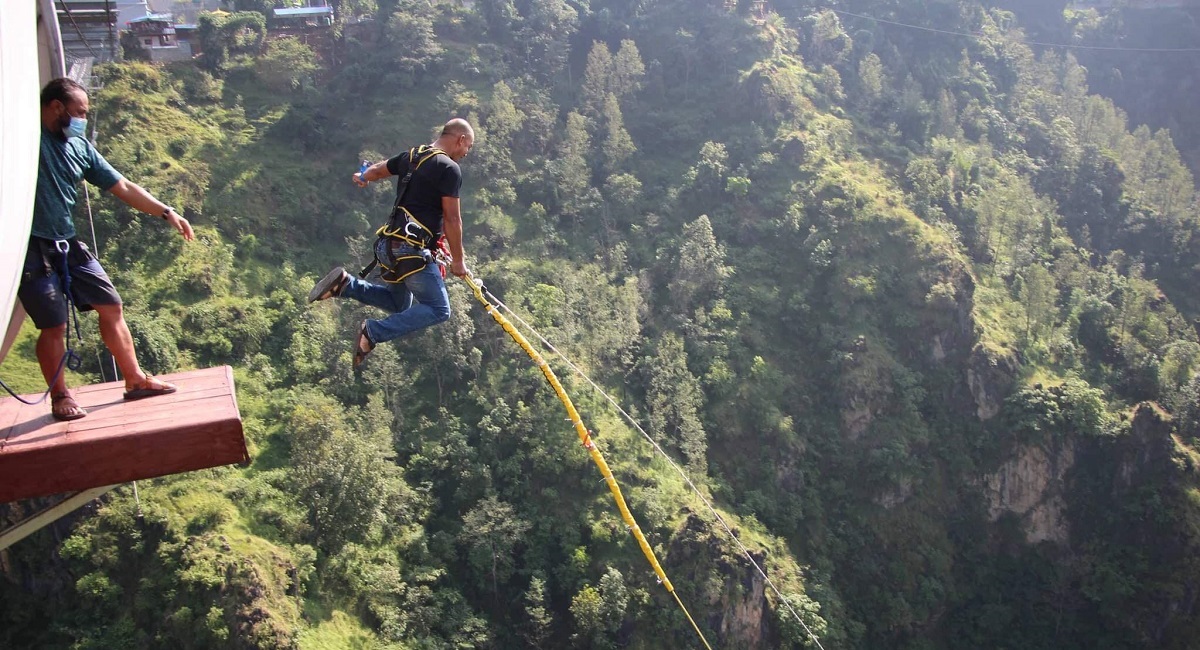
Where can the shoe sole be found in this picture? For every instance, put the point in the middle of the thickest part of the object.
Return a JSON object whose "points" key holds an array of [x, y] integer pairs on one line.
{"points": [[326, 285]]}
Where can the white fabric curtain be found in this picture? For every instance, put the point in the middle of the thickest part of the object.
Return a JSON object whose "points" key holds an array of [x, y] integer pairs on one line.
{"points": [[19, 133]]}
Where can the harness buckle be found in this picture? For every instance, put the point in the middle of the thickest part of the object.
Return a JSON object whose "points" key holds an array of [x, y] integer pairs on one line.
{"points": [[408, 230]]}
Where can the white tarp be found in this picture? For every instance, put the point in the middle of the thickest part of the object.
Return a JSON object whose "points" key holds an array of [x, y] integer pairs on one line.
{"points": [[19, 134]]}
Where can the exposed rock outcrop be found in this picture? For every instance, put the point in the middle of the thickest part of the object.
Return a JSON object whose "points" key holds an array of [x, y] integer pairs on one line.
{"points": [[737, 602], [990, 378], [1032, 486], [865, 386], [1149, 447], [949, 314]]}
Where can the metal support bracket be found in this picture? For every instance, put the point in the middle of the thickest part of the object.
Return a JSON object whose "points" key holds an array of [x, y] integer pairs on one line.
{"points": [[38, 521]]}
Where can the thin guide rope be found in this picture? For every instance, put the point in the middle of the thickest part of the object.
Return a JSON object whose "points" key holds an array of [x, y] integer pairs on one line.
{"points": [[589, 443], [664, 454]]}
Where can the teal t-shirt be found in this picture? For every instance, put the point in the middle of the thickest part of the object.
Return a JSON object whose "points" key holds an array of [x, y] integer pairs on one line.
{"points": [[63, 162]]}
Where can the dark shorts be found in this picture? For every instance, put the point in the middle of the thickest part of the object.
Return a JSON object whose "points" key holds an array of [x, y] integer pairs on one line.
{"points": [[41, 282]]}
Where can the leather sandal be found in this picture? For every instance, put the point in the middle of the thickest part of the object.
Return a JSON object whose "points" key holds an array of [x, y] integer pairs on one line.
{"points": [[363, 345], [329, 286], [64, 408]]}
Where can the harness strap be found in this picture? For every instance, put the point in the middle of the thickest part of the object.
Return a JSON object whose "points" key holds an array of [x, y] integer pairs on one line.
{"points": [[69, 358], [417, 156], [411, 231]]}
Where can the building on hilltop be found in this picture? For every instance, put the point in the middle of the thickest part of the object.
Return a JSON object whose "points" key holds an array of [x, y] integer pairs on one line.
{"points": [[156, 35], [316, 14]]}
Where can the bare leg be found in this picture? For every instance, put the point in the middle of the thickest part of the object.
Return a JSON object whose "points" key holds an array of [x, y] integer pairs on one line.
{"points": [[119, 342], [51, 346]]}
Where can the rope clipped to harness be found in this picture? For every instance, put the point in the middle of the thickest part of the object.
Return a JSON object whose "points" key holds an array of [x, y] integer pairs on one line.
{"points": [[69, 358]]}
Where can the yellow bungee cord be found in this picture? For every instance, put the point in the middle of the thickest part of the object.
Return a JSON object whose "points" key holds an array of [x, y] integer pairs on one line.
{"points": [[585, 437]]}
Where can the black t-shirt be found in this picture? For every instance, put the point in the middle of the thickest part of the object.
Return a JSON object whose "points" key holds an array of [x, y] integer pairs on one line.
{"points": [[437, 177]]}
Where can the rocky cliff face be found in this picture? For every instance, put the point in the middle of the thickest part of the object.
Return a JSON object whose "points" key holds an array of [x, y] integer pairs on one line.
{"points": [[1150, 448], [1038, 482], [990, 378], [1032, 486], [736, 604], [744, 608], [955, 342]]}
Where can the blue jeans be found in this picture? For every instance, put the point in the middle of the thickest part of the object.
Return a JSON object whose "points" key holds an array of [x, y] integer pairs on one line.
{"points": [[431, 306]]}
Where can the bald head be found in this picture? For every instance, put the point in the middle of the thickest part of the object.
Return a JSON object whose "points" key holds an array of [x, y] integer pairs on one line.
{"points": [[458, 126], [456, 139]]}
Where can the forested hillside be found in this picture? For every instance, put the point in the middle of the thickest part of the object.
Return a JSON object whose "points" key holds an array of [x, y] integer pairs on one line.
{"points": [[1143, 58], [916, 311]]}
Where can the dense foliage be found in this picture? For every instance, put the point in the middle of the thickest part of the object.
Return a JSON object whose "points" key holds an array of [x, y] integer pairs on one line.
{"points": [[913, 310]]}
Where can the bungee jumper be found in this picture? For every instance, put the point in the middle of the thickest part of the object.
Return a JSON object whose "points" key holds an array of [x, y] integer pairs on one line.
{"points": [[422, 234], [59, 268], [426, 219]]}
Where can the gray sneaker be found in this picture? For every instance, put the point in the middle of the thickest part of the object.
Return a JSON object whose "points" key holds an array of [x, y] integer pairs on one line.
{"points": [[329, 286]]}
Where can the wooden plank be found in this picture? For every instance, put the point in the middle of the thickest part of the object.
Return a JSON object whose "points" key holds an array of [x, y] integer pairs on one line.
{"points": [[105, 416], [197, 427]]}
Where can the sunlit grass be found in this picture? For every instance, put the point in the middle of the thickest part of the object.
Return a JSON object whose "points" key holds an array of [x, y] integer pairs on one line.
{"points": [[339, 631], [20, 370], [997, 316]]}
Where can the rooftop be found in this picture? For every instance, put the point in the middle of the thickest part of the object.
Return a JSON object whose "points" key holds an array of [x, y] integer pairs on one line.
{"points": [[284, 12], [156, 18]]}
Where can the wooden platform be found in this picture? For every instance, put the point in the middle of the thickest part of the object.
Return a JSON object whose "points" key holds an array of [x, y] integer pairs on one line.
{"points": [[197, 427]]}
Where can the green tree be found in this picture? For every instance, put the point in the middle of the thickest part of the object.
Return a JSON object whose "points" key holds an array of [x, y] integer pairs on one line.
{"points": [[339, 471], [1135, 294], [1038, 295], [674, 400], [570, 169], [538, 622], [502, 121], [1009, 222], [545, 37], [827, 40], [699, 272], [598, 82], [871, 78], [624, 192], [712, 166], [618, 146], [687, 51], [221, 35], [628, 70], [1180, 363], [588, 612], [288, 65], [599, 613], [491, 531], [411, 47]]}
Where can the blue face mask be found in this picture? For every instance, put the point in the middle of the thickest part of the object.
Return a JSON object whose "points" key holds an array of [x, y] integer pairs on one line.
{"points": [[77, 128]]}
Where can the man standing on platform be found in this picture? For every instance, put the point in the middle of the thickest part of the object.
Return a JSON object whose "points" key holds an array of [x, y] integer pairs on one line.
{"points": [[66, 158]]}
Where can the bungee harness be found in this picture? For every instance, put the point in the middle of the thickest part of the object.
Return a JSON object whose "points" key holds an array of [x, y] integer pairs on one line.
{"points": [[405, 245], [63, 248]]}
